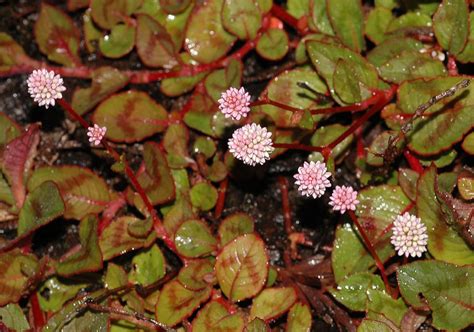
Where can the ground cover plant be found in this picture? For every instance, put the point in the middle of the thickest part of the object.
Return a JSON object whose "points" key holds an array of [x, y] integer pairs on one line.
{"points": [[236, 165]]}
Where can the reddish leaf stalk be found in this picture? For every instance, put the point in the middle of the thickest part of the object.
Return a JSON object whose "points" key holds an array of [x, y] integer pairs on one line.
{"points": [[38, 315], [290, 20], [413, 162], [221, 198], [371, 249], [283, 182], [158, 225]]}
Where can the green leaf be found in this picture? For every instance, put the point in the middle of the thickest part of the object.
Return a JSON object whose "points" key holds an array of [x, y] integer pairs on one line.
{"points": [[272, 302], [154, 44], [92, 321], [148, 266], [108, 13], [156, 179], [392, 48], [410, 65], [347, 21], [175, 143], [82, 190], [179, 212], [115, 276], [233, 226], [9, 129], [407, 179], [89, 257], [11, 54], [116, 240], [299, 318], [18, 270], [175, 303], [273, 44], [242, 267], [204, 145], [203, 196], [6, 195], [408, 22], [298, 8], [468, 144], [194, 239], [204, 116], [376, 325], [57, 36], [377, 24], [242, 18], [319, 17], [444, 243], [119, 42], [451, 25], [465, 184], [467, 55], [195, 274], [447, 289], [174, 6], [441, 160], [349, 255], [54, 293], [215, 317], [284, 89], [257, 325], [325, 135], [130, 116], [220, 80], [42, 205], [105, 81], [92, 34], [13, 318], [206, 40]]}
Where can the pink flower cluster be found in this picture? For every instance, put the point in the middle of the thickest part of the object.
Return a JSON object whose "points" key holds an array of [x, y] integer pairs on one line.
{"points": [[96, 134], [409, 235], [313, 179], [251, 144], [234, 103], [45, 87], [344, 199]]}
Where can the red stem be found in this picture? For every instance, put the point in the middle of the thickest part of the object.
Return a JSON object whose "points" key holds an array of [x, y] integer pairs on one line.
{"points": [[290, 20], [372, 251], [413, 162], [221, 198], [283, 182], [38, 315]]}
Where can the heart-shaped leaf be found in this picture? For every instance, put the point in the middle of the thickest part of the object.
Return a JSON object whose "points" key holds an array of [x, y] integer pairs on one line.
{"points": [[273, 44], [273, 302], [215, 317], [451, 25], [17, 271], [233, 226], [89, 257], [196, 274], [299, 318], [105, 81], [82, 190], [206, 39], [203, 196], [41, 206], [444, 243], [242, 267], [116, 240], [148, 266], [154, 45], [242, 18], [194, 239], [446, 288], [130, 116], [57, 36], [175, 303], [347, 21], [119, 42], [17, 161]]}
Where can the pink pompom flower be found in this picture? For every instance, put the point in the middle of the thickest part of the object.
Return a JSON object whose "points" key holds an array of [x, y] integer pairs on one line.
{"points": [[313, 179], [234, 103], [251, 144], [344, 199], [96, 134], [45, 87], [409, 235]]}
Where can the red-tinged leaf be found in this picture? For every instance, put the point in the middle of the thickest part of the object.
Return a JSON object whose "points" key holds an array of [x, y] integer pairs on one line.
{"points": [[242, 18], [347, 20], [197, 274], [130, 116], [194, 239], [299, 318], [108, 13], [13, 318], [83, 191], [203, 196], [116, 239], [92, 33], [176, 303], [451, 25], [105, 81], [273, 44], [174, 6], [17, 271], [42, 205], [407, 179], [412, 320], [156, 180], [444, 243], [154, 45], [175, 143], [57, 36], [11, 53], [204, 116], [179, 212], [220, 80], [17, 161], [118, 42], [242, 267], [233, 226], [272, 303], [206, 40], [392, 48], [215, 317], [257, 325], [468, 144], [89, 257], [9, 129], [53, 293]]}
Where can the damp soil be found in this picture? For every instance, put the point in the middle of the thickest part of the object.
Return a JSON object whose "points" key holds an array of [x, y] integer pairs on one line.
{"points": [[255, 191]]}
